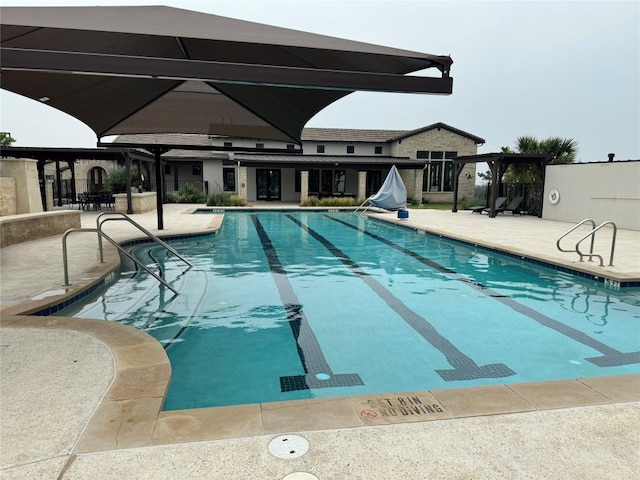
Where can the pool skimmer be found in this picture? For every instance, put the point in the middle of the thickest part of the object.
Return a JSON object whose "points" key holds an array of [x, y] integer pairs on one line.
{"points": [[288, 446]]}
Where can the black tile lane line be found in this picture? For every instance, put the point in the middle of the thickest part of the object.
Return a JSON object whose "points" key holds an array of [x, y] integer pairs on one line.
{"points": [[464, 368], [318, 373], [610, 356]]}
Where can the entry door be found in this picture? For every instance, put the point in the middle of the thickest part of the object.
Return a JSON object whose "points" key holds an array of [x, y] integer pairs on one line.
{"points": [[268, 184], [374, 180]]}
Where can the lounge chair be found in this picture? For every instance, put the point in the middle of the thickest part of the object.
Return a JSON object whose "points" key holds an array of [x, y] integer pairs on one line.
{"points": [[513, 207], [499, 202]]}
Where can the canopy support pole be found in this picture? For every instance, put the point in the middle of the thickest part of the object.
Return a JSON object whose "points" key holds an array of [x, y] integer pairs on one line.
{"points": [[157, 153]]}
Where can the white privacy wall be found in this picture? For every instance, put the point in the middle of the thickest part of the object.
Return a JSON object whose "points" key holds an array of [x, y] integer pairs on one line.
{"points": [[600, 191]]}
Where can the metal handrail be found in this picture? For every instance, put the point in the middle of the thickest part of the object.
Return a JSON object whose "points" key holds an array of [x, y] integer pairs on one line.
{"points": [[115, 244], [139, 227], [586, 220], [592, 235]]}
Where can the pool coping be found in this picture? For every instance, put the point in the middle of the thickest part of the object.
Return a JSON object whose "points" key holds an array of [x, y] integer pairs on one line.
{"points": [[130, 413]]}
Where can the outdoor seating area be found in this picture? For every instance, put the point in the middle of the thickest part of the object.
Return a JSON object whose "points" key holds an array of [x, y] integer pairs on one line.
{"points": [[93, 201], [514, 207], [484, 208]]}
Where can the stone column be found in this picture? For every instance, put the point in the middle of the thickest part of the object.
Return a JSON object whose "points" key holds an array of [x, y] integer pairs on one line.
{"points": [[362, 185], [25, 173], [48, 188], [417, 186], [304, 185], [242, 183]]}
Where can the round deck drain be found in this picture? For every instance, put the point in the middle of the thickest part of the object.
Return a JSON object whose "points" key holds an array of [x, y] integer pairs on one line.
{"points": [[300, 476], [288, 446]]}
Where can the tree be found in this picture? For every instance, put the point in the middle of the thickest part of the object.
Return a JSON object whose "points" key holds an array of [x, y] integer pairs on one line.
{"points": [[6, 139], [564, 150]]}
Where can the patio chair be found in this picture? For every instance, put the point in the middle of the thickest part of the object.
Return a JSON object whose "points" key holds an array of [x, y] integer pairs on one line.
{"points": [[499, 202], [513, 207]]}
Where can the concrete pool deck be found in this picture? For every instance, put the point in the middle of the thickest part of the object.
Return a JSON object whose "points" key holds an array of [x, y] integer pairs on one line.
{"points": [[92, 408]]}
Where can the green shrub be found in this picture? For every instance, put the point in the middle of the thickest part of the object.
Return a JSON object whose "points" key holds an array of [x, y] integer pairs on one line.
{"points": [[236, 201], [331, 202], [190, 194], [311, 201], [225, 200], [117, 180]]}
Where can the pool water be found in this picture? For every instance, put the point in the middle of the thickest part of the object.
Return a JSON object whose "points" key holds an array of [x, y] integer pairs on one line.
{"points": [[291, 305]]}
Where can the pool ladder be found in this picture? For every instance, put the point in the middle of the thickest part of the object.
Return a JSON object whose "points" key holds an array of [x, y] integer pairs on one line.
{"points": [[101, 235], [591, 234]]}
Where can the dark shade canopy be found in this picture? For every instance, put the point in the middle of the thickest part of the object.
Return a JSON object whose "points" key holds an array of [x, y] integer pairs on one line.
{"points": [[132, 70], [498, 164]]}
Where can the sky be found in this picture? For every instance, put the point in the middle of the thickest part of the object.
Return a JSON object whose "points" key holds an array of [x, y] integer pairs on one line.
{"points": [[539, 68]]}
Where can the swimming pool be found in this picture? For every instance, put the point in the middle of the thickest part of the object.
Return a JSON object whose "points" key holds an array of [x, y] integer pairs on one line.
{"points": [[289, 305]]}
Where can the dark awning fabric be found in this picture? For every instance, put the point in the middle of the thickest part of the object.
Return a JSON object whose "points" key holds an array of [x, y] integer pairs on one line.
{"points": [[132, 70], [353, 162]]}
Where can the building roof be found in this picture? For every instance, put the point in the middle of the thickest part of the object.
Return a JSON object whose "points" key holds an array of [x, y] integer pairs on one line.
{"points": [[440, 125], [376, 136], [349, 135]]}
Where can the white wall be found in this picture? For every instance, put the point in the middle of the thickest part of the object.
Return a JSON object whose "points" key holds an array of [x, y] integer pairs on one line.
{"points": [[212, 173], [600, 191]]}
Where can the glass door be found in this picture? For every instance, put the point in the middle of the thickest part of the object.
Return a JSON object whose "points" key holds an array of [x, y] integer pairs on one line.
{"points": [[374, 180], [268, 184]]}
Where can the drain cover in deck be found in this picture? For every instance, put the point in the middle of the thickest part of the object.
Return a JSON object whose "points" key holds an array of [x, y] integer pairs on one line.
{"points": [[288, 446], [300, 476]]}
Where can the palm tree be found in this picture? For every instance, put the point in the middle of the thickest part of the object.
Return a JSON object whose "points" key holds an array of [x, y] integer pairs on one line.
{"points": [[564, 150], [6, 139]]}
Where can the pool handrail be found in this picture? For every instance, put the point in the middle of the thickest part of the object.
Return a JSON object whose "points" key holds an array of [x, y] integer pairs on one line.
{"points": [[115, 244], [139, 227], [586, 220], [592, 234]]}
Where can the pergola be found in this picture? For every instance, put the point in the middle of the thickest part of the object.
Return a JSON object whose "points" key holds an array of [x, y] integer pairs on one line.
{"points": [[155, 69], [498, 163], [69, 156]]}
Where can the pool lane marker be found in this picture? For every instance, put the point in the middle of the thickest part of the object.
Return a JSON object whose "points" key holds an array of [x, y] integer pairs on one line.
{"points": [[318, 373], [610, 356], [464, 368]]}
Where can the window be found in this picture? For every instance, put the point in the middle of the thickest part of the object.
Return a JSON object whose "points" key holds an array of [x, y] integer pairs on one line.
{"points": [[340, 177], [196, 170], [435, 176], [259, 145], [438, 177], [378, 150], [319, 148], [228, 144], [314, 181], [324, 182], [351, 149], [229, 179], [422, 154]]}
